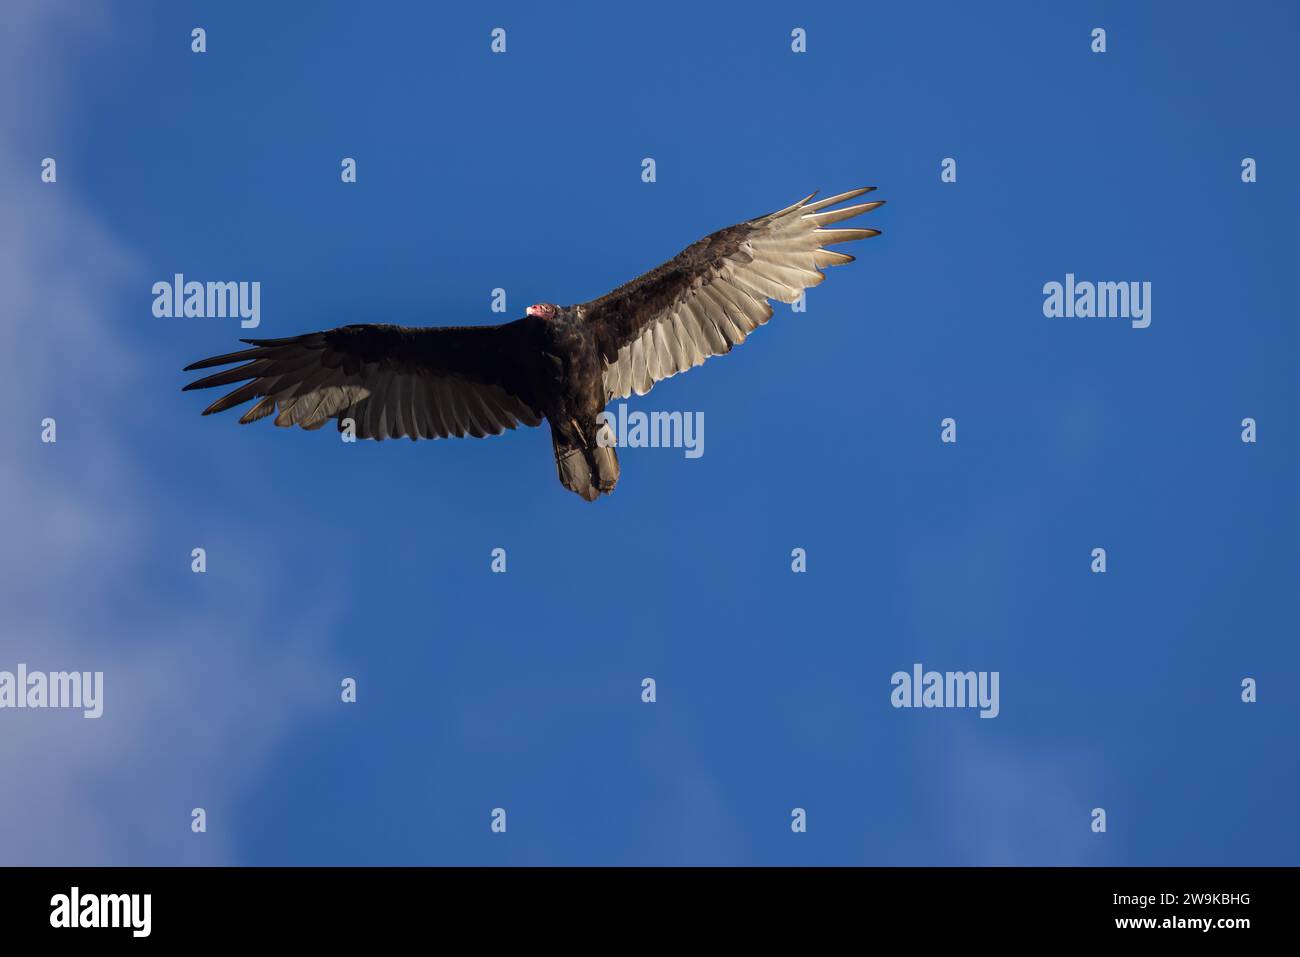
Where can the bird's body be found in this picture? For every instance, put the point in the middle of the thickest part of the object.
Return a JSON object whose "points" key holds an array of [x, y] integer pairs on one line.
{"points": [[572, 397], [562, 364]]}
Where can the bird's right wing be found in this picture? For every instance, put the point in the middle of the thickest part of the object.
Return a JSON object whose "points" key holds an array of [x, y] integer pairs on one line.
{"points": [[392, 381], [715, 292]]}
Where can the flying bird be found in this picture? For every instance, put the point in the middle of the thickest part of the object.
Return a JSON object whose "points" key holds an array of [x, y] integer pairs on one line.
{"points": [[559, 363]]}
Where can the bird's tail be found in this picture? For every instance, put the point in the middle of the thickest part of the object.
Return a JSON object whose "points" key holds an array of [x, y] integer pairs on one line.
{"points": [[589, 468]]}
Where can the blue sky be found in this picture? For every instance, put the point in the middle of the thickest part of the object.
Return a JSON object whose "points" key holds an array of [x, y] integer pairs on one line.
{"points": [[522, 691]]}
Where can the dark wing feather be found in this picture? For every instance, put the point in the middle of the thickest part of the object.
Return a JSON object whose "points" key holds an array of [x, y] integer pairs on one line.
{"points": [[715, 292], [392, 381]]}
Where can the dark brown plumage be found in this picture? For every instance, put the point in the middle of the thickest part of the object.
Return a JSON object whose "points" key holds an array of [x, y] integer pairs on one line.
{"points": [[559, 363]]}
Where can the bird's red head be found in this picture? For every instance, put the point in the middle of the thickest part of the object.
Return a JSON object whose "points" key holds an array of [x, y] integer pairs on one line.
{"points": [[543, 310]]}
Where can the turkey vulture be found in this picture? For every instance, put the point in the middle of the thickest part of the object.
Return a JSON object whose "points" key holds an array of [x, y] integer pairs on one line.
{"points": [[561, 363]]}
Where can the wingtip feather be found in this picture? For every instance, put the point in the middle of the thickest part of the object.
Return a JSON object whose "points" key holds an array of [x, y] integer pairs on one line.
{"points": [[832, 200]]}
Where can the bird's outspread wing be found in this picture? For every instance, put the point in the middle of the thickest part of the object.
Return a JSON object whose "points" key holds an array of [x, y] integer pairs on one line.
{"points": [[392, 381], [716, 291]]}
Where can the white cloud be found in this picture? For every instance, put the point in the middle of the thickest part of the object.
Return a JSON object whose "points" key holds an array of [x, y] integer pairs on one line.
{"points": [[198, 694], [1010, 807]]}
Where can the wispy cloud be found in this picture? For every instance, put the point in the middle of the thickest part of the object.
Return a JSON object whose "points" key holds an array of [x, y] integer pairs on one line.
{"points": [[1012, 806], [198, 694]]}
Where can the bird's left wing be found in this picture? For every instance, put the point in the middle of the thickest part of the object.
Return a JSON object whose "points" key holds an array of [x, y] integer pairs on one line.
{"points": [[392, 381], [715, 292]]}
